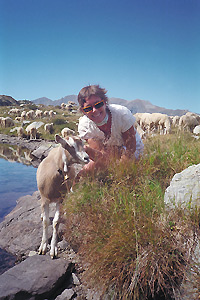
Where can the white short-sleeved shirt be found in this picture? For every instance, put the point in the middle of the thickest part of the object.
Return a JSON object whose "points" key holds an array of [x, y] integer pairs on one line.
{"points": [[122, 120]]}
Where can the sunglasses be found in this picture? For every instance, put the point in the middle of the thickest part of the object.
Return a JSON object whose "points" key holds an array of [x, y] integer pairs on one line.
{"points": [[89, 108]]}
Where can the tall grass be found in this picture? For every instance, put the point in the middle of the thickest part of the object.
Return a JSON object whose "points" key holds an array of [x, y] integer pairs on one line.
{"points": [[117, 221]]}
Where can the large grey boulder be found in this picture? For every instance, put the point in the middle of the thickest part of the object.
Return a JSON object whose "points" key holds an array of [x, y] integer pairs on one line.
{"points": [[196, 129], [38, 277], [184, 193], [184, 189]]}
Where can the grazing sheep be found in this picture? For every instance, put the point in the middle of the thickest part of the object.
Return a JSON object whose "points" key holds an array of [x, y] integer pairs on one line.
{"points": [[67, 131], [62, 106], [46, 113], [55, 175], [14, 111], [164, 124], [38, 113], [20, 132], [188, 122], [175, 121], [23, 115], [52, 113], [48, 127], [7, 122], [32, 131], [30, 114]]}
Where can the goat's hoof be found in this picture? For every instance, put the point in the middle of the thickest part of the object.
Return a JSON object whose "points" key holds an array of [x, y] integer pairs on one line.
{"points": [[54, 253], [42, 250]]}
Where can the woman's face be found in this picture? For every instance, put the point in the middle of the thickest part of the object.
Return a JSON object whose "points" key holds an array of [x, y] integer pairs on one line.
{"points": [[96, 114]]}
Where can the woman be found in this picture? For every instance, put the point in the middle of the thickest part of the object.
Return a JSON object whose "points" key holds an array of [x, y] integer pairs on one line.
{"points": [[108, 128]]}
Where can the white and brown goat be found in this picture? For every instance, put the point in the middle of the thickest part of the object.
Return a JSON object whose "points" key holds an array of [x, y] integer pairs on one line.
{"points": [[55, 176]]}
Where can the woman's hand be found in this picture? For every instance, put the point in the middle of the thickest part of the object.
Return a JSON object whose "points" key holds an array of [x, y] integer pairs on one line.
{"points": [[94, 154]]}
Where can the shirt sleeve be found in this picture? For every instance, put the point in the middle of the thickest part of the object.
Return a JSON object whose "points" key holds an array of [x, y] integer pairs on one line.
{"points": [[128, 119], [83, 127]]}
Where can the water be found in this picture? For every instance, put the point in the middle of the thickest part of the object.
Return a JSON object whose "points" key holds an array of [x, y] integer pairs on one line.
{"points": [[17, 179]]}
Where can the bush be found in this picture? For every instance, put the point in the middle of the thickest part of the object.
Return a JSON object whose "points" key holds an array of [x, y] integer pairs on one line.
{"points": [[59, 121]]}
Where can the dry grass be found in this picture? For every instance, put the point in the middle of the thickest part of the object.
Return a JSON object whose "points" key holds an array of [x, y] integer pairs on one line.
{"points": [[118, 223]]}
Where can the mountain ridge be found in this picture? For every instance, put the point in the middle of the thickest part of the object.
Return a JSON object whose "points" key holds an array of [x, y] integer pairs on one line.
{"points": [[135, 106]]}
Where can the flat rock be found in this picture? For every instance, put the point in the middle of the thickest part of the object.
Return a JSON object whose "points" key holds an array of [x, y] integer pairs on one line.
{"points": [[38, 277]]}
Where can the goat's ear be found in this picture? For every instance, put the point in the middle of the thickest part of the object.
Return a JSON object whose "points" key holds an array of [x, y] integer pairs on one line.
{"points": [[64, 144]]}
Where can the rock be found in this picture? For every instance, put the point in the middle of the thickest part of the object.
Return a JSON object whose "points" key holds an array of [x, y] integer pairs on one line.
{"points": [[42, 151], [184, 192], [196, 129], [184, 189], [21, 230], [66, 295], [75, 279], [38, 277]]}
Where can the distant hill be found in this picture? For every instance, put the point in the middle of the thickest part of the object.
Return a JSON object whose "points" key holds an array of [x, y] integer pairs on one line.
{"points": [[8, 100], [47, 101], [135, 106], [140, 106]]}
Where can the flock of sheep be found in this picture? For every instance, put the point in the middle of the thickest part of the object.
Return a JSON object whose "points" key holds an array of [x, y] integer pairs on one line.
{"points": [[158, 123], [147, 124], [25, 117]]}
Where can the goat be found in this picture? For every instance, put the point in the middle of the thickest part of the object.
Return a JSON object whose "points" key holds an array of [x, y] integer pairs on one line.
{"points": [[55, 175]]}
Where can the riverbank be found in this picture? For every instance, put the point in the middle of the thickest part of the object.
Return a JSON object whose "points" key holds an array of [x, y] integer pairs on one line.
{"points": [[39, 148], [20, 235]]}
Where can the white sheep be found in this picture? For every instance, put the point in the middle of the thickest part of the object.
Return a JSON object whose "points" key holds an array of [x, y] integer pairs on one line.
{"points": [[175, 121], [66, 132], [14, 111], [38, 113], [32, 131], [52, 113], [7, 122], [164, 124], [62, 106], [20, 132], [46, 113], [188, 122], [48, 127], [30, 114], [55, 175], [23, 115]]}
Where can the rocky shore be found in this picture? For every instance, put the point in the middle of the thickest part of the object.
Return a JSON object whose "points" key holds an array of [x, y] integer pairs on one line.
{"points": [[36, 276]]}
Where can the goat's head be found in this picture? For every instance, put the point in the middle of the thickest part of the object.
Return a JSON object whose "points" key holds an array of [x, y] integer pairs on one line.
{"points": [[74, 145]]}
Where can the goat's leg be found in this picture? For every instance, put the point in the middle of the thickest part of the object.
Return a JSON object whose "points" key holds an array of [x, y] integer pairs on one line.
{"points": [[45, 222], [54, 250]]}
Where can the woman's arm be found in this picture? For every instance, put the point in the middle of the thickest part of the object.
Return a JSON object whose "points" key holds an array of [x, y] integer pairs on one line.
{"points": [[129, 142]]}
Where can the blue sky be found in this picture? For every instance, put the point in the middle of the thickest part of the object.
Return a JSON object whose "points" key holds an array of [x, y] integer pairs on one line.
{"points": [[144, 49]]}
